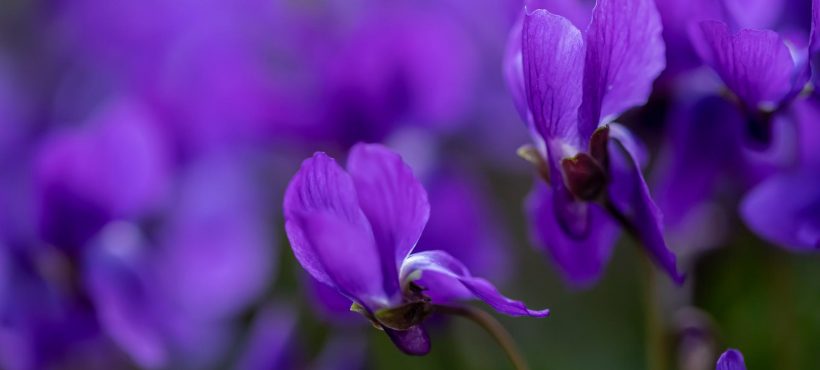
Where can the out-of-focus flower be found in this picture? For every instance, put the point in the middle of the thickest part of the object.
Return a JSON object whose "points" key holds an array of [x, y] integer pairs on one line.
{"points": [[217, 73], [701, 165], [765, 126], [113, 167], [376, 211], [757, 66], [271, 343], [575, 84], [104, 282], [397, 65], [785, 209], [732, 359]]}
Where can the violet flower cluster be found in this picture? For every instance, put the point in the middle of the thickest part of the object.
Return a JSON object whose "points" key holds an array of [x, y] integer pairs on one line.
{"points": [[146, 149]]}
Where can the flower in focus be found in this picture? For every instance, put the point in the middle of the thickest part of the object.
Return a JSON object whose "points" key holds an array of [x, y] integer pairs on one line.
{"points": [[569, 86], [355, 231], [732, 359]]}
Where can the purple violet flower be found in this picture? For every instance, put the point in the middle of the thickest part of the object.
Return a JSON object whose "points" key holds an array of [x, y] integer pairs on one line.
{"points": [[575, 83], [732, 359], [355, 231], [764, 73], [785, 209]]}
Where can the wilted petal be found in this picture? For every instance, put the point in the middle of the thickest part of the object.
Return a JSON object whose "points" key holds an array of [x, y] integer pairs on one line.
{"points": [[413, 341], [755, 64], [731, 360], [449, 273], [785, 209], [630, 197], [625, 53], [553, 51], [580, 260], [319, 186], [393, 200]]}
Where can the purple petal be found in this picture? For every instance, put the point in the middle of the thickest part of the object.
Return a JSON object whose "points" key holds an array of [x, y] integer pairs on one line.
{"points": [[217, 255], [320, 186], [330, 304], [625, 53], [630, 196], [413, 341], [698, 159], [732, 359], [580, 260], [814, 42], [785, 209], [449, 273], [514, 70], [754, 13], [631, 143], [552, 55], [755, 64], [349, 256], [116, 166], [395, 204], [806, 115], [116, 281], [271, 341]]}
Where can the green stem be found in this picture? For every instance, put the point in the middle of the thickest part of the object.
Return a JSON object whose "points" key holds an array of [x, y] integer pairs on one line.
{"points": [[784, 331], [656, 346], [493, 327]]}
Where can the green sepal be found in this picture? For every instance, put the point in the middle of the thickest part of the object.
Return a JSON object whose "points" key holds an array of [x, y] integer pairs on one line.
{"points": [[405, 316]]}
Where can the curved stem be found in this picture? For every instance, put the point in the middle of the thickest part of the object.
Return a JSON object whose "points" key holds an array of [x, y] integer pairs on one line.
{"points": [[492, 326], [656, 346]]}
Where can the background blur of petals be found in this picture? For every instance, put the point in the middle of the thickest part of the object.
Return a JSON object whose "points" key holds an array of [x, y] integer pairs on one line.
{"points": [[145, 147]]}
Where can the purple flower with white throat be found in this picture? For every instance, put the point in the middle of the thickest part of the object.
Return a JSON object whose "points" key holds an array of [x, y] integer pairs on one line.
{"points": [[355, 231], [569, 86]]}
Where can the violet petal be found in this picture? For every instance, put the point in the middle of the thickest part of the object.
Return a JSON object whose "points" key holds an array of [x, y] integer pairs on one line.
{"points": [[580, 261], [394, 201], [625, 53], [326, 226], [785, 209], [630, 197], [755, 64], [732, 359], [446, 266], [553, 51], [413, 341]]}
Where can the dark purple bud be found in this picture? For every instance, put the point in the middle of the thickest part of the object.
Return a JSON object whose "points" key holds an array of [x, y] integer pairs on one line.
{"points": [[584, 176], [413, 341]]}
